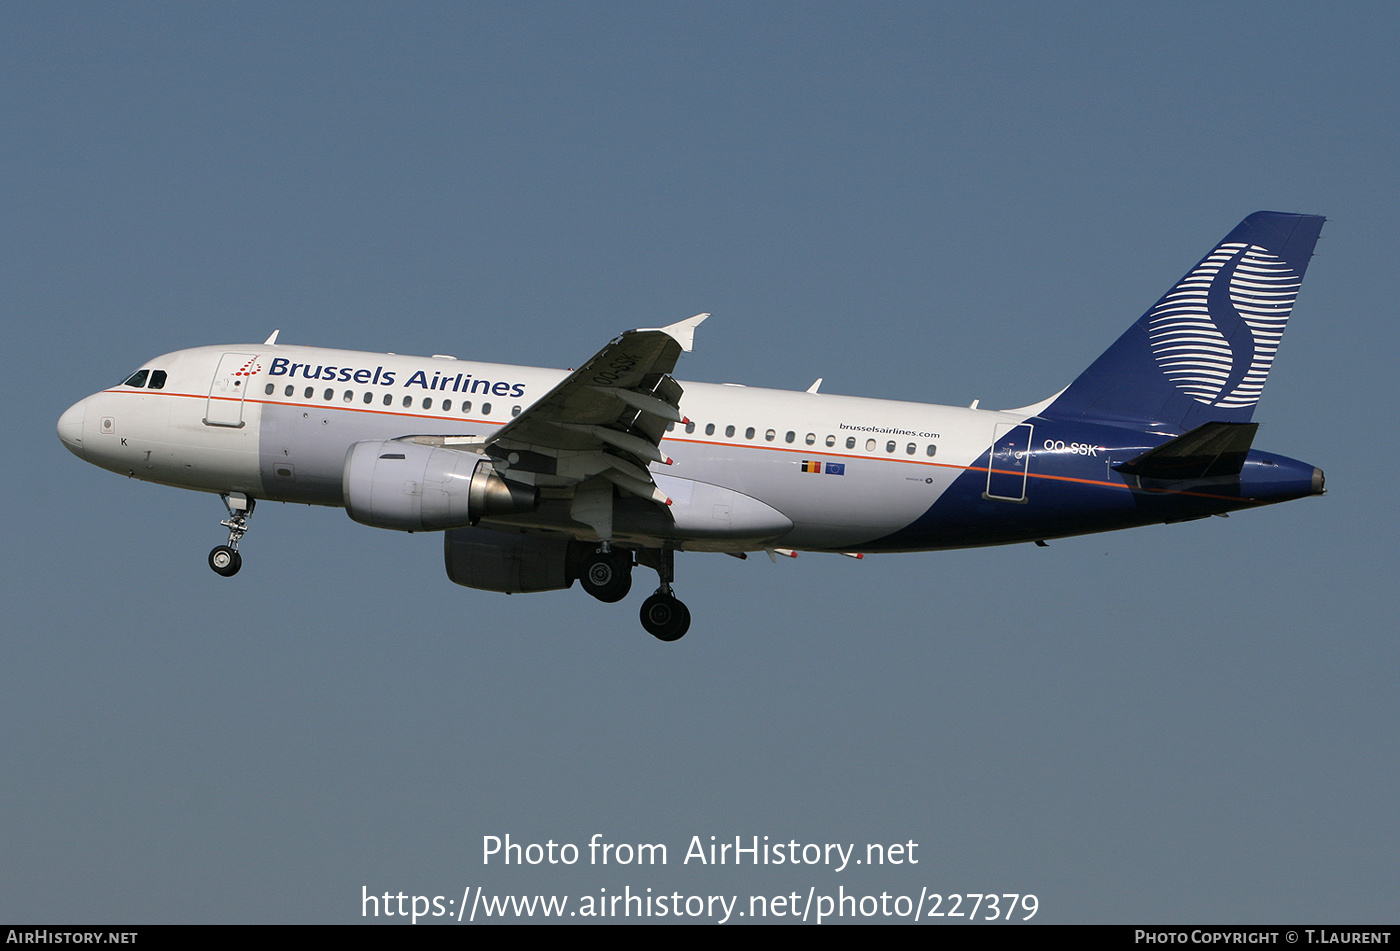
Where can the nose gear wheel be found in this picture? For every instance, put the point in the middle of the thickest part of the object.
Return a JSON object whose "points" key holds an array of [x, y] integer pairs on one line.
{"points": [[225, 559]]}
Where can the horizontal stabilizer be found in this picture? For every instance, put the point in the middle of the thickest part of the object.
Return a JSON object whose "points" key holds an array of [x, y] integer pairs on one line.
{"points": [[1213, 449]]}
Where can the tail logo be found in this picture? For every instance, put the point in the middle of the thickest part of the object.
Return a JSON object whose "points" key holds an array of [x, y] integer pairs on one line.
{"points": [[1215, 334]]}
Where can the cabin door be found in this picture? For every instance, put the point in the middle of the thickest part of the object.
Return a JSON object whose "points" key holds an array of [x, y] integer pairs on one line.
{"points": [[230, 385], [1010, 461]]}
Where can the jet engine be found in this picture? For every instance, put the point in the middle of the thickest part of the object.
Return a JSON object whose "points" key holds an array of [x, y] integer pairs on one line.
{"points": [[513, 563], [414, 488]]}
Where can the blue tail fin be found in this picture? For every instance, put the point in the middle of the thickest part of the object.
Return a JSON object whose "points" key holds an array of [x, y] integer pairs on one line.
{"points": [[1203, 352]]}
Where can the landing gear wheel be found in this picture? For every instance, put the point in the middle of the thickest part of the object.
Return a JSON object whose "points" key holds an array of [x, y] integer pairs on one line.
{"points": [[607, 576], [665, 617], [225, 560]]}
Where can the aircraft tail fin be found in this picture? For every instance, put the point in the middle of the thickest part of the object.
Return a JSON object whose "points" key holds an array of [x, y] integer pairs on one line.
{"points": [[1203, 352]]}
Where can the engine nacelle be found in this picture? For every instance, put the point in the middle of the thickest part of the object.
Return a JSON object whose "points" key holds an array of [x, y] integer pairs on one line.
{"points": [[415, 488], [497, 561]]}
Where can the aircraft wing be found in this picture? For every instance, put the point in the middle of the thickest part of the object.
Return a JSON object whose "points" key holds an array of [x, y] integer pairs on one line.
{"points": [[605, 420]]}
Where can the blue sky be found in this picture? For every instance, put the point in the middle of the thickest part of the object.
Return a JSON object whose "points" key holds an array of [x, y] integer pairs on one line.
{"points": [[915, 201]]}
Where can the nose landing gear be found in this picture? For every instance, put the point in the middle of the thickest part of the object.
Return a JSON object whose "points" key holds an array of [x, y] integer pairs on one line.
{"points": [[225, 559]]}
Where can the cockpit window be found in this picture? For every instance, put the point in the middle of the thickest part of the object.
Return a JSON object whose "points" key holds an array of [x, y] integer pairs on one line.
{"points": [[137, 379], [157, 380]]}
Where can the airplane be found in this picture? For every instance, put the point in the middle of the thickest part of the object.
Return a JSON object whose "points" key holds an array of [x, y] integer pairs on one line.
{"points": [[541, 477]]}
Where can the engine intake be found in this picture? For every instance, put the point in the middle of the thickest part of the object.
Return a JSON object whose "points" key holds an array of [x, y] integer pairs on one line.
{"points": [[415, 488]]}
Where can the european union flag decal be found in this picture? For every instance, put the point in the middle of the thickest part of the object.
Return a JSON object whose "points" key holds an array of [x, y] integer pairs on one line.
{"points": [[835, 468]]}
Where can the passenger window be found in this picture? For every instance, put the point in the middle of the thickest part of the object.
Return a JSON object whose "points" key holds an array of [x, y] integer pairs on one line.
{"points": [[670, 427], [830, 441], [811, 439], [446, 405], [748, 433], [157, 379], [289, 390], [137, 379], [268, 389], [369, 397], [889, 446], [932, 449], [515, 411], [729, 431], [910, 449], [850, 442], [790, 436], [690, 427], [485, 409], [388, 399], [870, 445], [427, 402], [349, 396], [308, 394], [329, 394], [408, 401], [466, 406]]}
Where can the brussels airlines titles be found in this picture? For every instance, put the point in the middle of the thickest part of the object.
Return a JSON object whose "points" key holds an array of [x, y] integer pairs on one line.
{"points": [[461, 383]]}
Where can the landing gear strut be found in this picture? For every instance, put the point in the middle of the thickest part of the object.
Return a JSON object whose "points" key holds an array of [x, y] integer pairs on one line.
{"points": [[664, 616], [607, 575], [225, 559]]}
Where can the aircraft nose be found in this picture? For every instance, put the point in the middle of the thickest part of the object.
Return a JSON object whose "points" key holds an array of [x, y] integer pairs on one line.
{"points": [[70, 427]]}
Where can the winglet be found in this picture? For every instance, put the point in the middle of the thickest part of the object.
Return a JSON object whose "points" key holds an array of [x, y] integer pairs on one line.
{"points": [[271, 340], [684, 331]]}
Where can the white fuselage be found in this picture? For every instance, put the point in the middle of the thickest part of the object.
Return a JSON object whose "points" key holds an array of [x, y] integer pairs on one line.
{"points": [[275, 422]]}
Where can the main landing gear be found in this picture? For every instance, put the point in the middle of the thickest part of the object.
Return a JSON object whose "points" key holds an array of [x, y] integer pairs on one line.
{"points": [[607, 575], [225, 559], [664, 616]]}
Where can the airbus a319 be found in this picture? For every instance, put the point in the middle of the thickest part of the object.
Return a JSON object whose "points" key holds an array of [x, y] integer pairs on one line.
{"points": [[538, 478]]}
